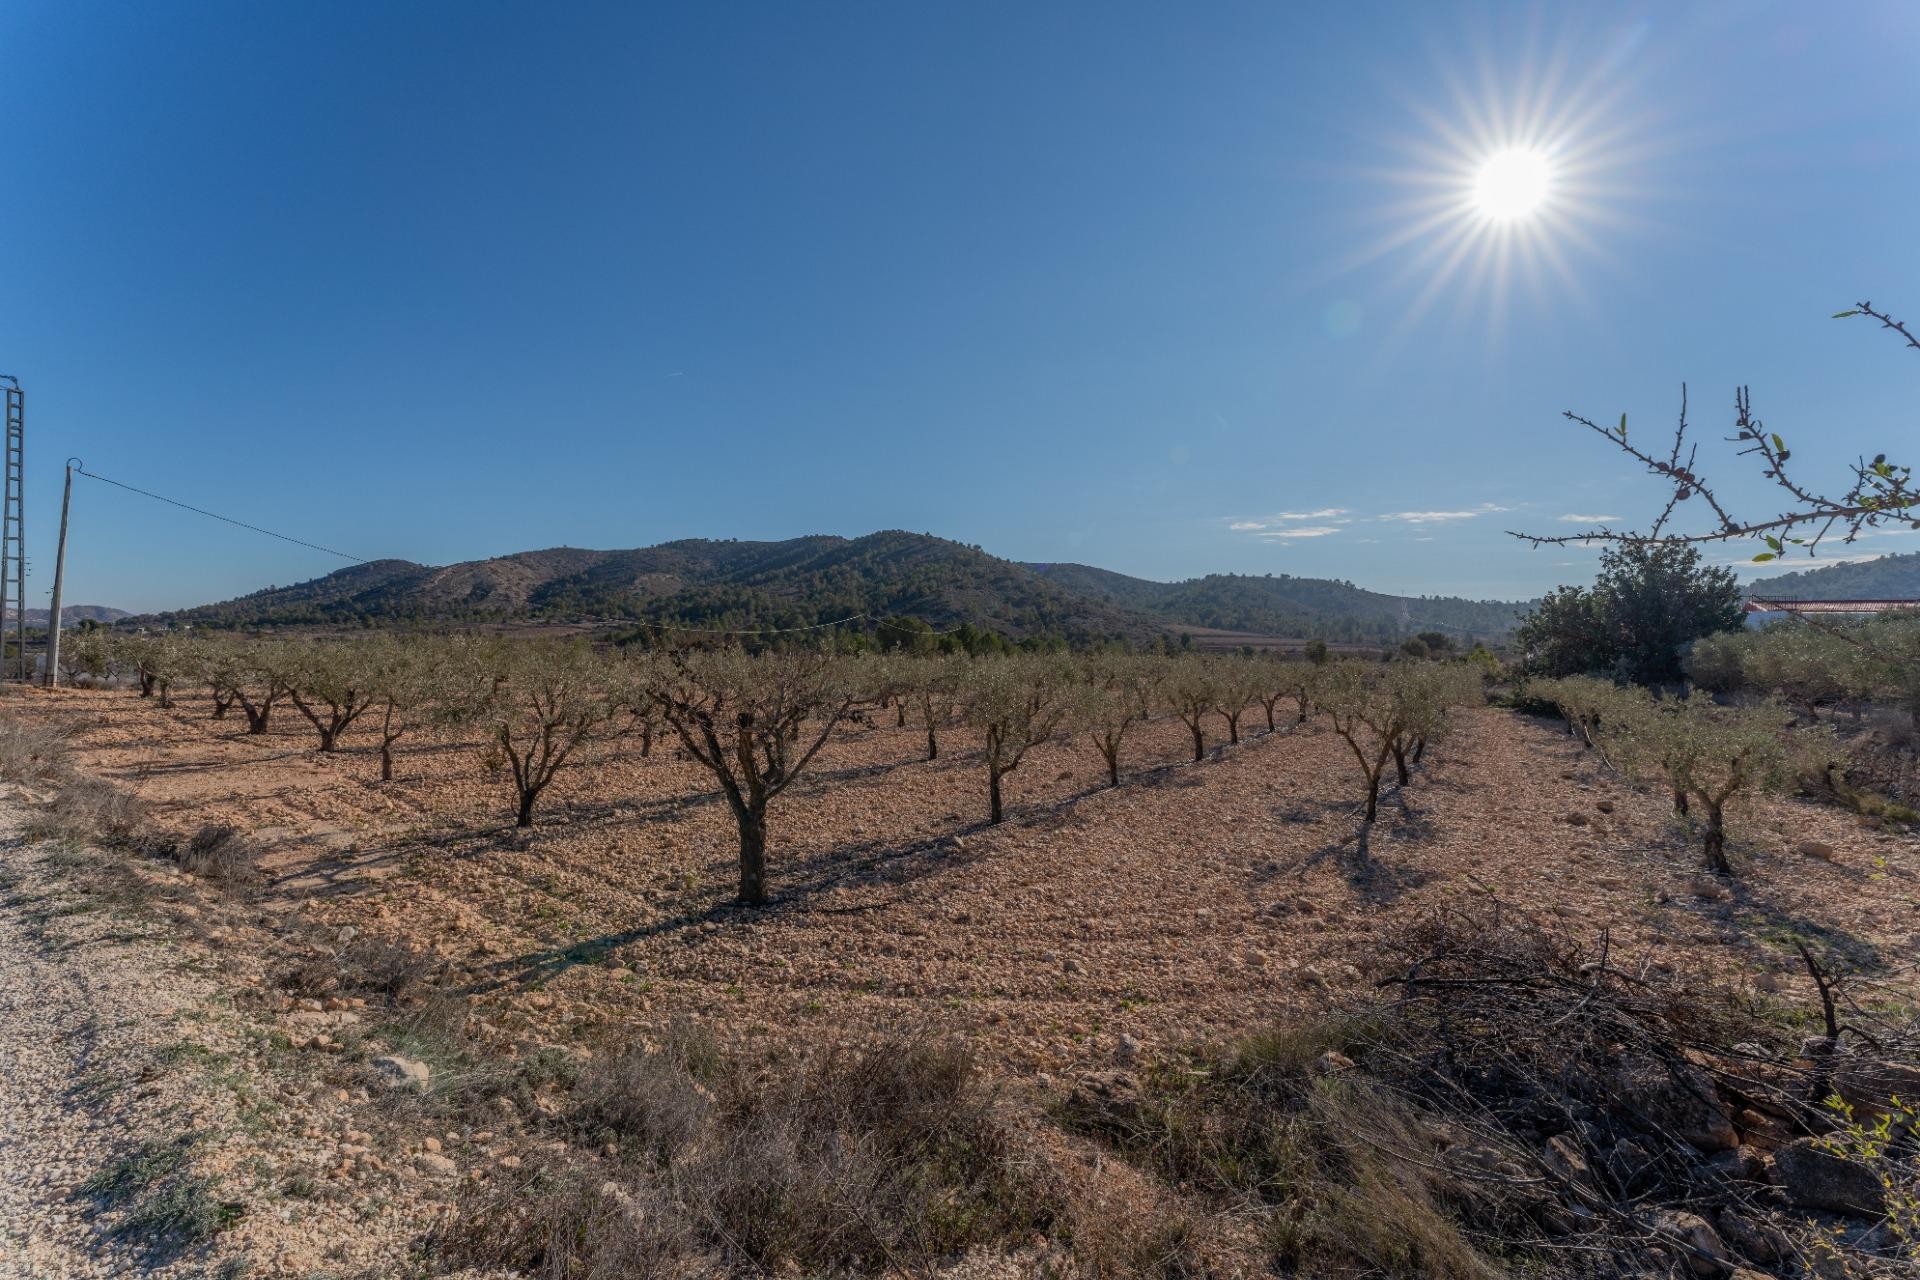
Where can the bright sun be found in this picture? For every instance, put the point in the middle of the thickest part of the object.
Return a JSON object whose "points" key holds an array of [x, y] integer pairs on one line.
{"points": [[1512, 184]]}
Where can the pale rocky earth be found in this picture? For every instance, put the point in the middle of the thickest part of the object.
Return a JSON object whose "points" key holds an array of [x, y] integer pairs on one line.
{"points": [[1197, 901]]}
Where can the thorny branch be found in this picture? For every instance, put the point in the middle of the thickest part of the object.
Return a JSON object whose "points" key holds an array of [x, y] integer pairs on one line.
{"points": [[1881, 493]]}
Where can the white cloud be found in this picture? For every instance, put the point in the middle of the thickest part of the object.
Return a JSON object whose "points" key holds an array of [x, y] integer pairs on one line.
{"points": [[1590, 519], [1280, 519], [1302, 531], [1443, 517]]}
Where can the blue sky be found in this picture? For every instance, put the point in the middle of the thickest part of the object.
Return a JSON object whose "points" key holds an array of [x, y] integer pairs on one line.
{"points": [[1094, 282]]}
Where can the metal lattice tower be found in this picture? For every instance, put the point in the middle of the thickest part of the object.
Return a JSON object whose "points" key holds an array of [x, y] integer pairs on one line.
{"points": [[13, 547]]}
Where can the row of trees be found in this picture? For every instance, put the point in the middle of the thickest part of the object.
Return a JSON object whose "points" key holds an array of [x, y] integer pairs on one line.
{"points": [[1704, 755], [755, 722], [1817, 665]]}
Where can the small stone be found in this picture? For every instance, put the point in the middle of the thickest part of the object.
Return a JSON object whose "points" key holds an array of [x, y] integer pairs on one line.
{"points": [[1577, 819], [434, 1163], [1071, 965], [432, 1145], [402, 1073], [1701, 1245], [1128, 1049], [509, 1162], [1604, 806]]}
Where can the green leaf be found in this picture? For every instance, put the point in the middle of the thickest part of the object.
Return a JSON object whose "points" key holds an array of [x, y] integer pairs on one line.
{"points": [[1772, 541], [1779, 445], [1623, 426], [1842, 315], [1765, 556]]}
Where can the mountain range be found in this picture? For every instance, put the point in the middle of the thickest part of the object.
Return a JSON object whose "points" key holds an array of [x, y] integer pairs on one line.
{"points": [[808, 581]]}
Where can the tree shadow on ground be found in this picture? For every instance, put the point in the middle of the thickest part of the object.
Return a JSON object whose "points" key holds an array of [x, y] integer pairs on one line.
{"points": [[1352, 855], [1757, 911]]}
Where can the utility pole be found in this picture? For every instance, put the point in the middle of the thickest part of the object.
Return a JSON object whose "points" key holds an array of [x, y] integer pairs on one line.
{"points": [[59, 581], [13, 547]]}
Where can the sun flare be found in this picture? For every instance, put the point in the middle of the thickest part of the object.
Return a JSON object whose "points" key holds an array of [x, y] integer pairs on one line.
{"points": [[1512, 184], [1513, 175]]}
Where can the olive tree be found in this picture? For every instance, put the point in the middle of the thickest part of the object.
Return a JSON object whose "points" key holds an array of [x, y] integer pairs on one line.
{"points": [[1191, 691], [332, 685], [755, 723], [265, 669], [1890, 644], [88, 651], [1426, 695], [539, 701], [1113, 694], [158, 661], [412, 679], [1016, 703], [1711, 755], [1363, 710], [1236, 682], [219, 663], [935, 685]]}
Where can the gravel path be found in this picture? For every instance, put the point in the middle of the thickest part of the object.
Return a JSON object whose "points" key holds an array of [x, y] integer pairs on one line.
{"points": [[75, 1024]]}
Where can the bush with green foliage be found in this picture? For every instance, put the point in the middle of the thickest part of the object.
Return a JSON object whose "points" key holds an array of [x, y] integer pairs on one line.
{"points": [[1650, 602]]}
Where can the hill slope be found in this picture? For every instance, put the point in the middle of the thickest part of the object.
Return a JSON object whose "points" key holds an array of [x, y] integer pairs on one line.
{"points": [[1279, 604], [1888, 578], [808, 581]]}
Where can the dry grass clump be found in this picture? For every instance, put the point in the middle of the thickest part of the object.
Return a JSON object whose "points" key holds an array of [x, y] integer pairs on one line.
{"points": [[387, 967], [220, 853], [31, 752], [91, 811], [855, 1158], [1337, 1162]]}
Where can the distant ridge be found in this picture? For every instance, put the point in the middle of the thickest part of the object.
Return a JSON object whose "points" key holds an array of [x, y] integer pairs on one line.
{"points": [[1888, 578], [811, 581], [71, 614]]}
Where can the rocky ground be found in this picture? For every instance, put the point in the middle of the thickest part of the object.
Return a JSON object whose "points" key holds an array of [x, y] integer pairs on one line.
{"points": [[1194, 903]]}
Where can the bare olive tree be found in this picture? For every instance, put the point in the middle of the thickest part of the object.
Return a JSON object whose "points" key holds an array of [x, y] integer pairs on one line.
{"points": [[264, 671], [1191, 691], [1113, 694], [332, 685], [1016, 703], [540, 702], [414, 679], [756, 723], [1236, 683], [1712, 754], [935, 688], [1365, 713]]}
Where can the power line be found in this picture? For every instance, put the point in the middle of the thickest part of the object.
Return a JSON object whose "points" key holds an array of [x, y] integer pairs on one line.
{"points": [[214, 515]]}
